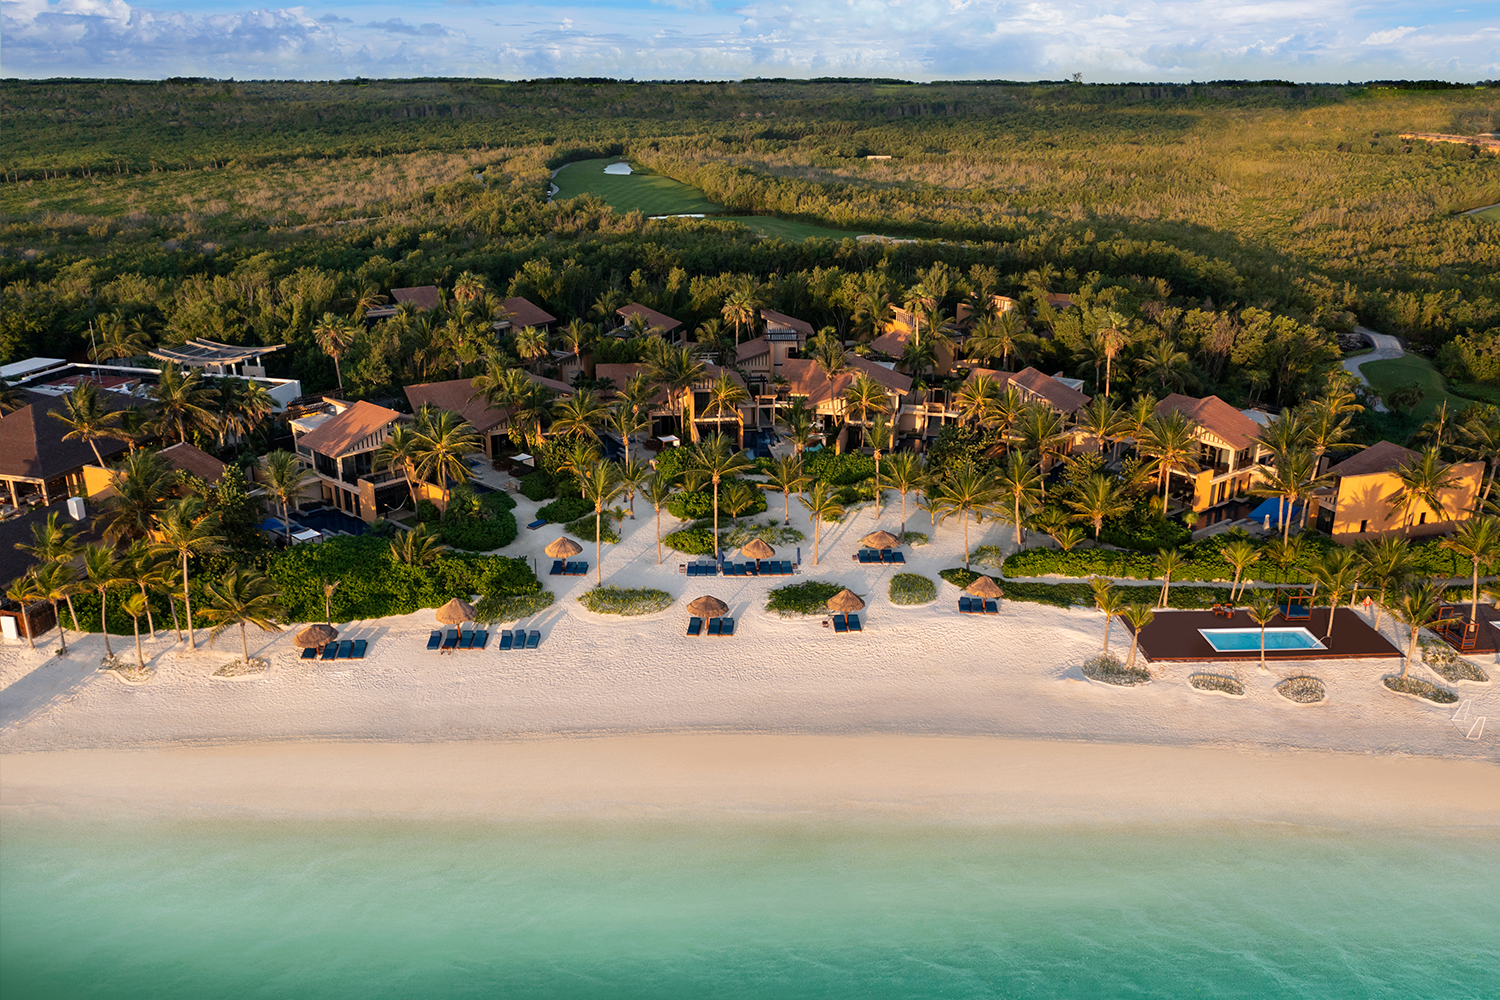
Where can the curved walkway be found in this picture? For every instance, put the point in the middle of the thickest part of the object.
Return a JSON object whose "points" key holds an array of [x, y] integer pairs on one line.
{"points": [[1387, 348]]}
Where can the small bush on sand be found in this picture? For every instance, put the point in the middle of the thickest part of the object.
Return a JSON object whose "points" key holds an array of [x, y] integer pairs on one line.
{"points": [[912, 588], [565, 509], [1421, 689], [584, 528], [914, 538], [1303, 690], [500, 608], [987, 555], [623, 601], [538, 486], [1447, 664], [1109, 670], [693, 541], [243, 668], [1216, 682], [810, 598]]}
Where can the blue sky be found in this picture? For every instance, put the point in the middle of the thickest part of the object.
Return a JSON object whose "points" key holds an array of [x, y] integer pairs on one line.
{"points": [[1309, 40]]}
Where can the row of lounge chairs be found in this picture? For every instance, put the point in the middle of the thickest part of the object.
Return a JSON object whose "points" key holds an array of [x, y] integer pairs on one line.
{"points": [[881, 556], [347, 649], [520, 639], [765, 567], [561, 568], [716, 626], [454, 639], [978, 606], [847, 623]]}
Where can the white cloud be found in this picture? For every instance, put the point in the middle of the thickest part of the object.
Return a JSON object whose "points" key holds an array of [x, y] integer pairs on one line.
{"points": [[1387, 37]]}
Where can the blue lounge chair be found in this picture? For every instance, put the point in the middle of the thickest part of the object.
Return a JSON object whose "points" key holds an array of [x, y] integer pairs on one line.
{"points": [[898, 557], [435, 640], [752, 569], [886, 556], [534, 639], [853, 622], [358, 652], [537, 524], [694, 569], [992, 607], [330, 651], [864, 555], [505, 638], [345, 647], [839, 624], [695, 626], [465, 640], [450, 642], [557, 568], [583, 569], [965, 605], [727, 628], [520, 641], [715, 626], [310, 653], [787, 569], [481, 639]]}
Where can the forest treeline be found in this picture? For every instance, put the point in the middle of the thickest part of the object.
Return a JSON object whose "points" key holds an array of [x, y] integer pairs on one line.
{"points": [[1273, 218]]}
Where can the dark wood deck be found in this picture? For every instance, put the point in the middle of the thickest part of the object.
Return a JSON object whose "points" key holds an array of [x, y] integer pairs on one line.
{"points": [[1486, 635], [1173, 637]]}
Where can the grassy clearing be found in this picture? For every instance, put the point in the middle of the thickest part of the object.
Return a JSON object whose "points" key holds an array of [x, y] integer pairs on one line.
{"points": [[1491, 214], [1387, 376], [788, 230], [648, 193]]}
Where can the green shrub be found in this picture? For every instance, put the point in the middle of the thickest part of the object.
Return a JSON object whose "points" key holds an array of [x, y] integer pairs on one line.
{"points": [[1110, 670], [810, 598], [1066, 595], [538, 486], [770, 531], [623, 601], [912, 538], [693, 541], [1216, 682], [689, 505], [1443, 660], [584, 528], [991, 556], [501, 608], [912, 588], [1425, 690], [565, 509], [1303, 690], [480, 536], [839, 470], [427, 512]]}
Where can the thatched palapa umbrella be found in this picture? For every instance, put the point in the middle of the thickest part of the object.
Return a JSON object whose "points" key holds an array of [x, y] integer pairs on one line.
{"points": [[985, 587], [757, 549], [563, 548], [881, 540], [708, 607], [455, 612], [845, 601], [315, 636]]}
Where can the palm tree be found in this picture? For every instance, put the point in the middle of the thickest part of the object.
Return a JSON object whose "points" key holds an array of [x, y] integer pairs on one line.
{"points": [[181, 400], [1101, 420], [185, 529], [52, 542], [25, 591], [1018, 485], [1172, 440], [417, 547], [286, 478], [1239, 554], [713, 460], [1042, 434], [1293, 476], [531, 344], [1111, 340], [976, 400], [1262, 611], [966, 491], [600, 485], [242, 597], [787, 476], [827, 350], [627, 419], [864, 397], [1328, 420], [138, 569], [1481, 441], [657, 491], [443, 439], [1417, 606], [741, 307], [822, 503], [1285, 553], [725, 396], [12, 398], [633, 476], [880, 437], [334, 337], [118, 338], [1478, 540], [907, 474], [135, 605], [1167, 563], [678, 369], [468, 287], [579, 415], [87, 419], [1337, 572], [402, 449], [1137, 616], [575, 336], [99, 566], [1422, 479], [1163, 362], [1110, 603], [1098, 498], [798, 421], [55, 581]]}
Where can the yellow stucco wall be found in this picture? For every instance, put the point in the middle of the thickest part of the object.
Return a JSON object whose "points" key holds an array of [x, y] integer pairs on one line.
{"points": [[1368, 499]]}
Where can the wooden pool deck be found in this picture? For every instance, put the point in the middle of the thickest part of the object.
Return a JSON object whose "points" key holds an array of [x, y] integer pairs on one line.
{"points": [[1486, 637], [1173, 637]]}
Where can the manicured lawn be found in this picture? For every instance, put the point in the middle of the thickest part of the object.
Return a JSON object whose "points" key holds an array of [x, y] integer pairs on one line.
{"points": [[1386, 376], [1491, 214], [788, 230], [651, 194]]}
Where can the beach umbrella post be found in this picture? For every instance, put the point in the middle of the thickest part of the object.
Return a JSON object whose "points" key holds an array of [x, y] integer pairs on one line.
{"points": [[455, 612]]}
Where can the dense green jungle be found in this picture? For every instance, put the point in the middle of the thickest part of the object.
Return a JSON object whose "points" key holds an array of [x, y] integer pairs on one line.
{"points": [[1244, 225]]}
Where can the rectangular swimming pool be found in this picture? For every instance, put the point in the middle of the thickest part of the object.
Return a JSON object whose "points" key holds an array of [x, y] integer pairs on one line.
{"points": [[1239, 640]]}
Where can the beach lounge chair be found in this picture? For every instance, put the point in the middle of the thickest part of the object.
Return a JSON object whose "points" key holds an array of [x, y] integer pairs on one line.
{"points": [[520, 640], [853, 622], [557, 568], [964, 605], [534, 639], [481, 638], [886, 556], [465, 640], [310, 653], [450, 642], [839, 624], [537, 524], [863, 555], [435, 639], [715, 626], [695, 626], [583, 569], [505, 638], [727, 628], [330, 651], [358, 652], [752, 569], [992, 607], [898, 557]]}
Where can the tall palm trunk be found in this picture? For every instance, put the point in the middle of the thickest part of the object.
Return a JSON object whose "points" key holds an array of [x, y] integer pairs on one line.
{"points": [[244, 643], [150, 622], [139, 657], [717, 556], [187, 600], [73, 614], [62, 630], [598, 543], [104, 619]]}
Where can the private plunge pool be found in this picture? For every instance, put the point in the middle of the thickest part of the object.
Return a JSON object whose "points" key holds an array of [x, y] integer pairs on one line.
{"points": [[1239, 640]]}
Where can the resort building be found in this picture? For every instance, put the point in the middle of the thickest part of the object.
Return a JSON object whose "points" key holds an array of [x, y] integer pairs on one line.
{"points": [[903, 328], [824, 396], [657, 324], [338, 442], [423, 298], [36, 464], [517, 313], [1230, 459], [762, 358], [491, 423], [1366, 496], [132, 386]]}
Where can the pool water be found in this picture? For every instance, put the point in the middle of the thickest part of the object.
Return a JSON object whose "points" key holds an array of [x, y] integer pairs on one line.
{"points": [[1238, 640], [330, 520]]}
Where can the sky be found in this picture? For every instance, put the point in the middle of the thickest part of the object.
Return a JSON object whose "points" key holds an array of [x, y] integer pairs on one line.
{"points": [[1145, 40]]}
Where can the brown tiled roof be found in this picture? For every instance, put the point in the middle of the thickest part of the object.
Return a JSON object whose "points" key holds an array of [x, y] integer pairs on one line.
{"points": [[523, 312], [1000, 377], [32, 445], [774, 318], [892, 342], [422, 296], [1061, 397], [1213, 414], [1382, 456], [194, 461], [807, 379], [342, 431], [752, 349], [655, 320], [1059, 300], [457, 395]]}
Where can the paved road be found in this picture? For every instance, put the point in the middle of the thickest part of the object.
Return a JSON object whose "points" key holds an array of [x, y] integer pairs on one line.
{"points": [[1386, 349]]}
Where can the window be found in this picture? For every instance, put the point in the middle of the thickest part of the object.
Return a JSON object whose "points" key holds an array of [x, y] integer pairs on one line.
{"points": [[1423, 518], [1364, 526]]}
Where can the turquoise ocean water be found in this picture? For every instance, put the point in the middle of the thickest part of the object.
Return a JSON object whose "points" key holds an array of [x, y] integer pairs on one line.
{"points": [[333, 910]]}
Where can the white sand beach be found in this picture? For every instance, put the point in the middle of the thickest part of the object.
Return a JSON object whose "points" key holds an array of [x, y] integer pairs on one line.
{"points": [[601, 682]]}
